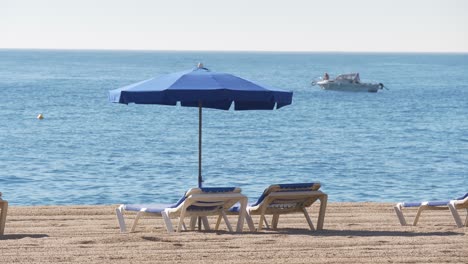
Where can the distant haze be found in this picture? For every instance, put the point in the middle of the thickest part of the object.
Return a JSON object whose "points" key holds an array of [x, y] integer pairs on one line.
{"points": [[241, 25]]}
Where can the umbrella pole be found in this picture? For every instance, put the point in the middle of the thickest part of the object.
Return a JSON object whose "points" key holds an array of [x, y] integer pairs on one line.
{"points": [[199, 153], [200, 180]]}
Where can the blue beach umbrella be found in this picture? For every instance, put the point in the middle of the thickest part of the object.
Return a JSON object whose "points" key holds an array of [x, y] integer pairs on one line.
{"points": [[202, 88]]}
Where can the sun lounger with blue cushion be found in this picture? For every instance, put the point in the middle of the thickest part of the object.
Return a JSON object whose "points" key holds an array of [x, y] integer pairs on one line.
{"points": [[283, 199], [197, 202], [452, 205]]}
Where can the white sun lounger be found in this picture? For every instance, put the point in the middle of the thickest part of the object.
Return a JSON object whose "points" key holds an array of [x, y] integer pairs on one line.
{"points": [[197, 202], [452, 205], [282, 199]]}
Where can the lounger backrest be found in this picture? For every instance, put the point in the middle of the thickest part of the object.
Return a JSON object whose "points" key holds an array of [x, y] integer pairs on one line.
{"points": [[292, 187], [208, 190], [205, 190], [462, 202], [212, 203]]}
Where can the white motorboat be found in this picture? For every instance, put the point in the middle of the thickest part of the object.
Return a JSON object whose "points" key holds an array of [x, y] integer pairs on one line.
{"points": [[348, 82]]}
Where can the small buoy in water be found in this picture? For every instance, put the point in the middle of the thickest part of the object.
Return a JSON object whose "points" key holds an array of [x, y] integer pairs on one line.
{"points": [[40, 116]]}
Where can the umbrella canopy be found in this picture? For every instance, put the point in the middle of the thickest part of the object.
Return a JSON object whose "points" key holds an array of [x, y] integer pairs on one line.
{"points": [[200, 85], [200, 88]]}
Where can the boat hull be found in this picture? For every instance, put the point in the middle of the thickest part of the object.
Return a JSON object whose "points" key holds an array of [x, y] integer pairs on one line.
{"points": [[350, 87]]}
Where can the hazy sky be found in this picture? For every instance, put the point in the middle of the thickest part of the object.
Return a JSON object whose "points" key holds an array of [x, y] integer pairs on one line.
{"points": [[265, 25]]}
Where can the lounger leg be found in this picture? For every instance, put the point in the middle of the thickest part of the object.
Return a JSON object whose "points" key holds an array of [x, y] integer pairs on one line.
{"points": [[260, 222], [274, 221], [466, 220], [416, 219], [181, 220], [218, 222], [262, 219], [193, 222], [205, 222], [398, 210], [184, 227], [323, 208], [242, 215], [455, 215], [139, 214], [120, 219], [3, 216], [167, 221], [266, 222], [311, 225], [226, 220], [249, 220]]}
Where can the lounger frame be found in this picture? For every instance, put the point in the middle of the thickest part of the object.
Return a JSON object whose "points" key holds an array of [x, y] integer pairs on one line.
{"points": [[221, 202], [280, 203], [197, 203], [453, 206], [279, 200]]}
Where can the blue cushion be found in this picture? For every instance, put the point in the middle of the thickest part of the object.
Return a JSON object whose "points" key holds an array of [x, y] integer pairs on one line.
{"points": [[202, 208], [150, 208], [217, 189], [296, 185], [433, 203], [412, 204], [463, 197], [437, 203], [235, 208]]}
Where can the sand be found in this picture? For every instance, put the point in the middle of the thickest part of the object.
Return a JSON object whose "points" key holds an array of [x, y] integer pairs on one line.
{"points": [[353, 233]]}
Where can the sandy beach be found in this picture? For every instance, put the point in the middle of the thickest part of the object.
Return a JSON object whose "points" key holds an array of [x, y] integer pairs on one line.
{"points": [[353, 233]]}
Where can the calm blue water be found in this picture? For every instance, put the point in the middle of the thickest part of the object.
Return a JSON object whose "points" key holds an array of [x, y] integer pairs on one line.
{"points": [[409, 142]]}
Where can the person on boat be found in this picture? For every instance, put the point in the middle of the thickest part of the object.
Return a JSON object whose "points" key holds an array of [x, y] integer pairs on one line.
{"points": [[326, 77]]}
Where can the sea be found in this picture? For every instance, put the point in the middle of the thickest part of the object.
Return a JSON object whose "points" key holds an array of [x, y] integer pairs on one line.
{"points": [[404, 143]]}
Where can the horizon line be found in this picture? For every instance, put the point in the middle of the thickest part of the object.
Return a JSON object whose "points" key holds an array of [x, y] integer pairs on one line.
{"points": [[238, 51]]}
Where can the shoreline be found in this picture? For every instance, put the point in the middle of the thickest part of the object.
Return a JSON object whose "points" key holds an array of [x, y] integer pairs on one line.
{"points": [[359, 232]]}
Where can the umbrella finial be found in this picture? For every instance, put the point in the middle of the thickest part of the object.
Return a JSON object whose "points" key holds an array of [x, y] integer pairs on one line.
{"points": [[200, 66]]}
